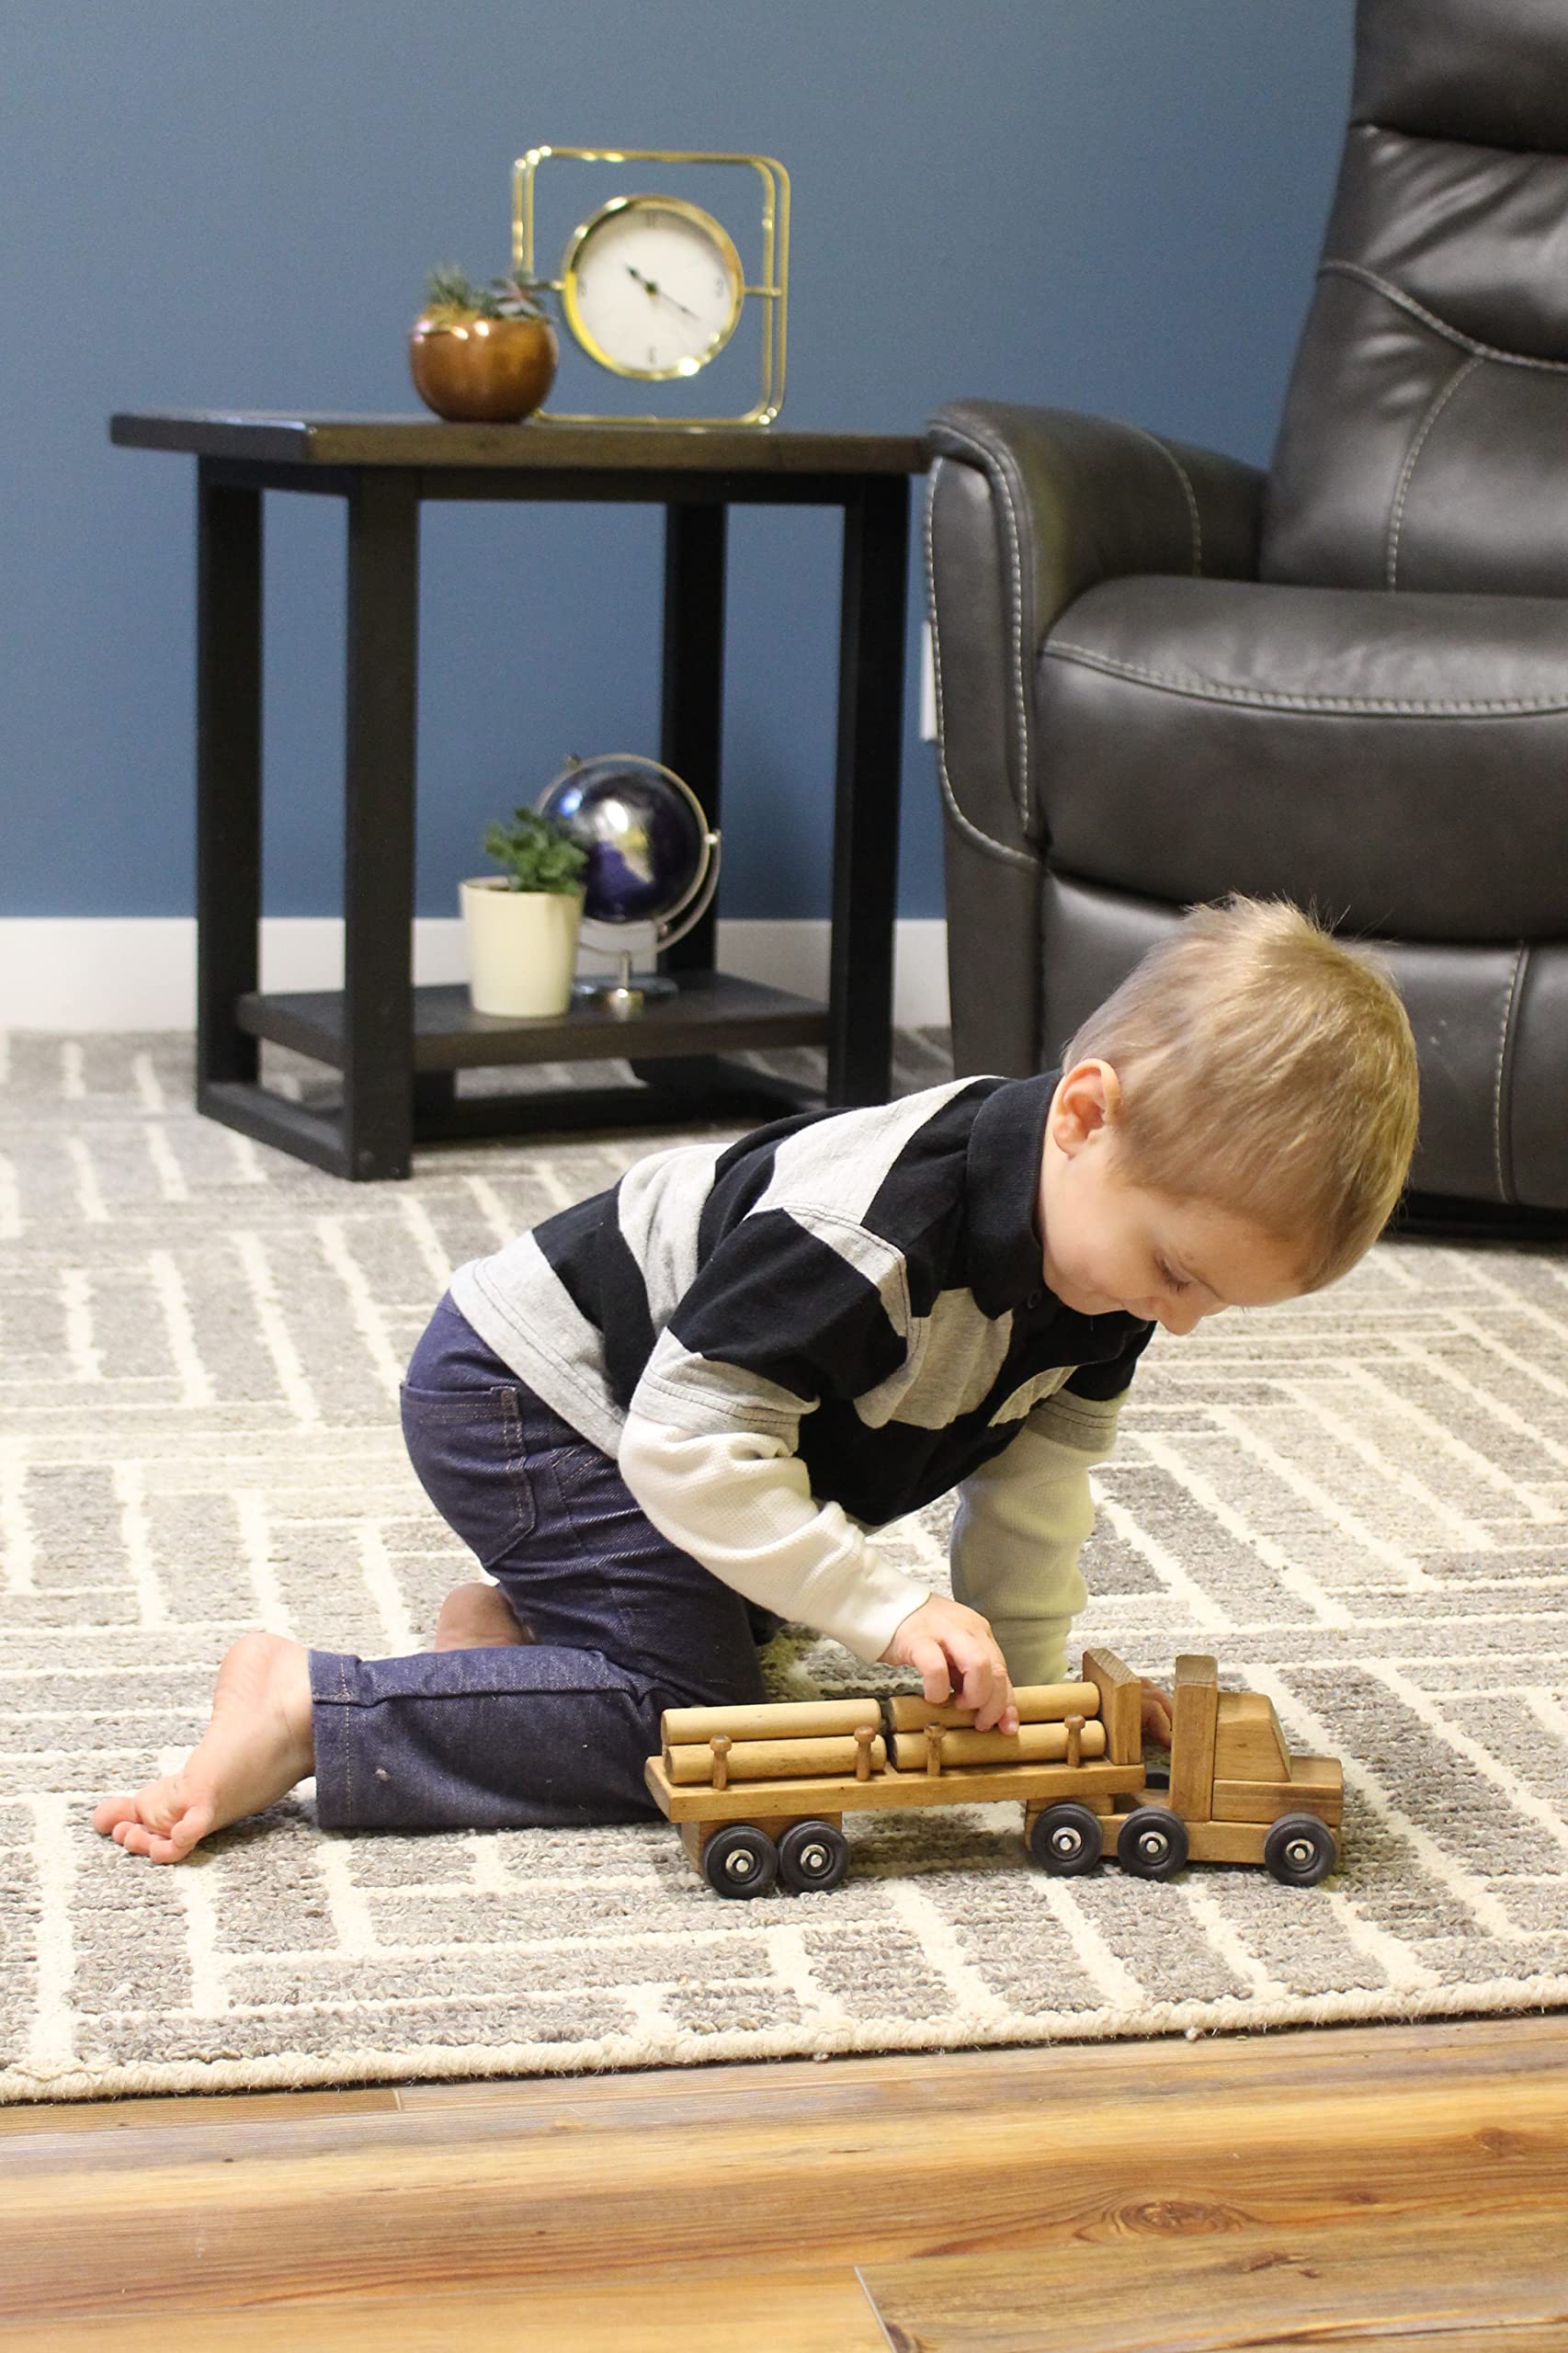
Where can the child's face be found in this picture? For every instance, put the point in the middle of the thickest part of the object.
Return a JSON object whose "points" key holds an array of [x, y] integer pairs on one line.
{"points": [[1113, 1245]]}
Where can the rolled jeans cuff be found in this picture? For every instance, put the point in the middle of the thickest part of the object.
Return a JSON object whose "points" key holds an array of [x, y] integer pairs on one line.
{"points": [[498, 1739]]}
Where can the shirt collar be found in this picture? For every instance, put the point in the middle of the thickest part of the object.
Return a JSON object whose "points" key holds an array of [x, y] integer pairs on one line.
{"points": [[1006, 1145]]}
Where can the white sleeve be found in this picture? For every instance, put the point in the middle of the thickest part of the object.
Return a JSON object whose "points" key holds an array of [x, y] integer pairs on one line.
{"points": [[1022, 1521], [787, 1312], [739, 1501]]}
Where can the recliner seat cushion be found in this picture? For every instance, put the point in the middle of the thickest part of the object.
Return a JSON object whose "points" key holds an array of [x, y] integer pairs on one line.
{"points": [[1401, 760]]}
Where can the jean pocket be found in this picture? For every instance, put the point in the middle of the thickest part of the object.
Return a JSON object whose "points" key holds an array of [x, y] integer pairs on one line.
{"points": [[467, 1448]]}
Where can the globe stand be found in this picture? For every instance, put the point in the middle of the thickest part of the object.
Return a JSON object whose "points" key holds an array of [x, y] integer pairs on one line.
{"points": [[628, 993], [624, 997]]}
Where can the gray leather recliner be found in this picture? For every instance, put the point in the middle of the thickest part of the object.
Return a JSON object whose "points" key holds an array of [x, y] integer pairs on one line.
{"points": [[1163, 676]]}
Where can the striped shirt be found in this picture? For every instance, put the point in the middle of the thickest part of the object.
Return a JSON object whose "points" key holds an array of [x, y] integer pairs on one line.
{"points": [[792, 1339]]}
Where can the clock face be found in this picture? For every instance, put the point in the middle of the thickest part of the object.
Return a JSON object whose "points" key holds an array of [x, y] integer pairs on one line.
{"points": [[652, 287]]}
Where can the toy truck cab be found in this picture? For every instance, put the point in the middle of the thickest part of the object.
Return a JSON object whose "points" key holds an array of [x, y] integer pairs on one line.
{"points": [[1236, 1793]]}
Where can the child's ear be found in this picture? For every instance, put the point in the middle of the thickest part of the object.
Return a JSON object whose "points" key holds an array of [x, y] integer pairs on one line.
{"points": [[1086, 1101]]}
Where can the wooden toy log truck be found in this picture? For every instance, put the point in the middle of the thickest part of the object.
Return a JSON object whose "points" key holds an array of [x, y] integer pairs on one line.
{"points": [[759, 1793]]}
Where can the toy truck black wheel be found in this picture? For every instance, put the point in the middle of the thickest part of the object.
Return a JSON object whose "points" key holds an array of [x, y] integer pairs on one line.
{"points": [[812, 1856], [740, 1860], [1066, 1839], [1299, 1850], [1151, 1844]]}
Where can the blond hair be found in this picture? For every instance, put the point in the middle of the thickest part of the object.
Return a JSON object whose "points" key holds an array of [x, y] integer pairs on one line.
{"points": [[1265, 1067]]}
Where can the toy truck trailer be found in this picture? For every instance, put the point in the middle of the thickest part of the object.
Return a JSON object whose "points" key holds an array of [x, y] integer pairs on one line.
{"points": [[759, 1793]]}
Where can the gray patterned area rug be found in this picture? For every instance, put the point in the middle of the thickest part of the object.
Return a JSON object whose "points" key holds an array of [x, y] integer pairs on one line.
{"points": [[1359, 1502]]}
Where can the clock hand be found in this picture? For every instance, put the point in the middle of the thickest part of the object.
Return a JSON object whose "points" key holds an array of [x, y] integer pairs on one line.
{"points": [[656, 292]]}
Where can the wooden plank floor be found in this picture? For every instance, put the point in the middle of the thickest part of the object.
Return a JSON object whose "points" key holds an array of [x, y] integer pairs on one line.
{"points": [[1393, 2189]]}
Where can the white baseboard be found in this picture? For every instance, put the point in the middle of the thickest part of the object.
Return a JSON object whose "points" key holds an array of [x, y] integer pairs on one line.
{"points": [[70, 972]]}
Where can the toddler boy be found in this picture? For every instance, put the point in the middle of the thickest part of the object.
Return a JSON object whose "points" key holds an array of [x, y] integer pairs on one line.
{"points": [[677, 1407]]}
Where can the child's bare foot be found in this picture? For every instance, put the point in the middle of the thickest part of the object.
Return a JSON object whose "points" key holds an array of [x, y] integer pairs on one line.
{"points": [[256, 1747], [477, 1618]]}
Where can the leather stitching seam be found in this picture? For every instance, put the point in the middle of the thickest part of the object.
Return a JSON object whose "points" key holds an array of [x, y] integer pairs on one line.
{"points": [[1202, 690], [995, 471], [1404, 301], [965, 825], [1396, 520], [1505, 1189]]}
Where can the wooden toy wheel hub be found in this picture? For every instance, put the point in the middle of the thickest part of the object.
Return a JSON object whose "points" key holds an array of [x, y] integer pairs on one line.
{"points": [[740, 1860], [1153, 1844], [812, 1856]]}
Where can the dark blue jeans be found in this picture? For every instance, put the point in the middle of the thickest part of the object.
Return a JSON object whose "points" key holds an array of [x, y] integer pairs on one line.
{"points": [[623, 1625]]}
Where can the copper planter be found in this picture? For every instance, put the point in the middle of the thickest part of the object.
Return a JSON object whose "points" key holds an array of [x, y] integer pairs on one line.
{"points": [[485, 370]]}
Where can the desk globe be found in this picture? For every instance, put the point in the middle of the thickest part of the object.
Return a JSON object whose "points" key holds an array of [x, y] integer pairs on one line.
{"points": [[653, 858]]}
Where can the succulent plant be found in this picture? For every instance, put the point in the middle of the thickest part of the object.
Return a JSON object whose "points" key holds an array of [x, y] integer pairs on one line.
{"points": [[538, 853], [453, 297]]}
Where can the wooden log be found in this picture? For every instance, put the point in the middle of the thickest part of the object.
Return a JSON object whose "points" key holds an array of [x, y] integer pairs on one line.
{"points": [[1121, 1704], [766, 1760], [786, 1719], [1030, 1745], [1037, 1703]]}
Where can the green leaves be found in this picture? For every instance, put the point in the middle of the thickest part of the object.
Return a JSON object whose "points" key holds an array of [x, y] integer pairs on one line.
{"points": [[538, 853], [452, 290]]}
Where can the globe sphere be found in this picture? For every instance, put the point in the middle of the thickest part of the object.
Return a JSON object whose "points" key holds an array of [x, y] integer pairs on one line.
{"points": [[646, 842]]}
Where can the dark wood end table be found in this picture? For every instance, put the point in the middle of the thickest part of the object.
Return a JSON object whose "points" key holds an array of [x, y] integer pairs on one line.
{"points": [[398, 1048]]}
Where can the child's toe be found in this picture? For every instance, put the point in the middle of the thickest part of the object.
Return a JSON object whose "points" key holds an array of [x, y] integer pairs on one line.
{"points": [[193, 1823]]}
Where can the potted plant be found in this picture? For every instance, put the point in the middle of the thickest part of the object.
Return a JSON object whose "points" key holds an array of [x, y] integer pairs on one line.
{"points": [[522, 924], [481, 354]]}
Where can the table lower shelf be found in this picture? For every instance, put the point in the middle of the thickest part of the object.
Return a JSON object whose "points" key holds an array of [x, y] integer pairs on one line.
{"points": [[676, 1048], [713, 1013]]}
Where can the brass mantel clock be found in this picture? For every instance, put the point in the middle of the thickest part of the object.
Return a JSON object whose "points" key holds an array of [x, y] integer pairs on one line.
{"points": [[652, 287]]}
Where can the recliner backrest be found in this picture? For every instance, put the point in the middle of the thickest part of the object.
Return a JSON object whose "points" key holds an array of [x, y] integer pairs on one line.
{"points": [[1424, 439]]}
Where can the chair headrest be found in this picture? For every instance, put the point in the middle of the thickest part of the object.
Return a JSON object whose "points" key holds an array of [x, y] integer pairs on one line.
{"points": [[1491, 72]]}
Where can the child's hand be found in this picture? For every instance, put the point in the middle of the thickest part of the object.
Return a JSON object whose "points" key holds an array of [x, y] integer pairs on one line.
{"points": [[956, 1656], [1157, 1714]]}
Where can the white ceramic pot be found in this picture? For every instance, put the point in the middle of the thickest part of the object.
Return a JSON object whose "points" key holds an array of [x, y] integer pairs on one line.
{"points": [[522, 947]]}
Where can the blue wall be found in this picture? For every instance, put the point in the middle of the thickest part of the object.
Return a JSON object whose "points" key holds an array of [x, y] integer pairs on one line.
{"points": [[1107, 204]]}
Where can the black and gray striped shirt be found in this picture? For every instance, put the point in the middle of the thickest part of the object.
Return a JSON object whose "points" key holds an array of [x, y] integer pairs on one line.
{"points": [[809, 1333]]}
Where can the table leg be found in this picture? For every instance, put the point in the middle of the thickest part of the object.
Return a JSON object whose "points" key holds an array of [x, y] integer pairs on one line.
{"points": [[691, 742], [866, 802], [692, 724], [228, 775], [379, 800]]}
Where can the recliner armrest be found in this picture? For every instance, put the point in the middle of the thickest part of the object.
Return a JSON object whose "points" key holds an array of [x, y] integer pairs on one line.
{"points": [[1028, 509]]}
